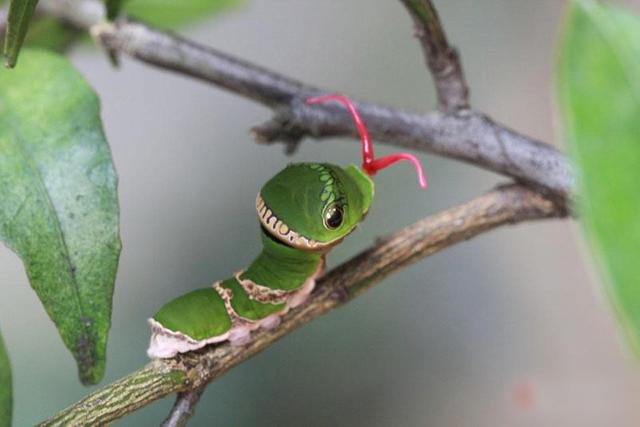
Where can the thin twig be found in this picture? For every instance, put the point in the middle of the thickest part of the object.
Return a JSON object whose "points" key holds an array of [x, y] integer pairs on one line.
{"points": [[466, 135], [184, 408], [82, 14], [442, 59], [507, 205]]}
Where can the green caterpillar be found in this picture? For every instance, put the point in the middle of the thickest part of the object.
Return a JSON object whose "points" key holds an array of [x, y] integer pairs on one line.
{"points": [[304, 211]]}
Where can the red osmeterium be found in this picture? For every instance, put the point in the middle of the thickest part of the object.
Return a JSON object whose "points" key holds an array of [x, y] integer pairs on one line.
{"points": [[370, 164]]}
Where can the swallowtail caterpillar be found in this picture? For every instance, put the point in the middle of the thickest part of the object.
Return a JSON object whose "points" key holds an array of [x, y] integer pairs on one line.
{"points": [[304, 211]]}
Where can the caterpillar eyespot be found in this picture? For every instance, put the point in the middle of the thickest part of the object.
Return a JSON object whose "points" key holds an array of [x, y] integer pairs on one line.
{"points": [[333, 217]]}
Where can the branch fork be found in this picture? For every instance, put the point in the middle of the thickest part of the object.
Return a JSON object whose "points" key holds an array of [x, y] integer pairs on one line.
{"points": [[454, 130]]}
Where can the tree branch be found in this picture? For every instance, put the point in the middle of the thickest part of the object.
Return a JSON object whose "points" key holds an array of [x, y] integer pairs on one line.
{"points": [[455, 131], [465, 135], [82, 14], [442, 59], [191, 371], [184, 408]]}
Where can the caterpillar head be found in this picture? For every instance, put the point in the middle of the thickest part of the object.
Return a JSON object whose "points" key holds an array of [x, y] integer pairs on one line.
{"points": [[313, 206]]}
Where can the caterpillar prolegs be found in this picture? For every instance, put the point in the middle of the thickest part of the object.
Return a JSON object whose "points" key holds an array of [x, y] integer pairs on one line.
{"points": [[304, 211]]}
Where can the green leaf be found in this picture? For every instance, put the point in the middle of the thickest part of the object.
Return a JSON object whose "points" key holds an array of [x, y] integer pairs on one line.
{"points": [[172, 13], [6, 399], [58, 202], [599, 94], [47, 32], [113, 8], [50, 33], [20, 12]]}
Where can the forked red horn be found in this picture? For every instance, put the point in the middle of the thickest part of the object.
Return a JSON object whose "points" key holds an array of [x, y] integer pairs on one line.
{"points": [[370, 164]]}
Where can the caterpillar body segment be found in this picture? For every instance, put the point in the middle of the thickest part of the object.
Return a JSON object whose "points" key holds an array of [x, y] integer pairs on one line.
{"points": [[303, 211]]}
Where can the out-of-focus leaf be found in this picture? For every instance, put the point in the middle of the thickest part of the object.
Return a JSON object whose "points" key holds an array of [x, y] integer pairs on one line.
{"points": [[113, 8], [172, 13], [599, 93], [49, 33], [6, 400], [58, 203], [20, 12]]}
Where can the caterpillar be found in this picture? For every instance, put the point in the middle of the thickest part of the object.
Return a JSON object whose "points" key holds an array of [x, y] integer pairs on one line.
{"points": [[304, 211]]}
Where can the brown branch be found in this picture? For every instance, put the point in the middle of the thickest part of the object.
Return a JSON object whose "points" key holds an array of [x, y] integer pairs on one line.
{"points": [[507, 205], [82, 14], [442, 59], [465, 135], [184, 408], [455, 132]]}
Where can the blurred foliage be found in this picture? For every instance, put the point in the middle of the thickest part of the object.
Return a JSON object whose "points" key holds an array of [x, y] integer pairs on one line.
{"points": [[58, 203], [50, 33], [6, 401], [599, 93], [20, 12], [171, 13], [113, 8]]}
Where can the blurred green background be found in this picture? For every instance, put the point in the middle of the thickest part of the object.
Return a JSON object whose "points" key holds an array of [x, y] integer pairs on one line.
{"points": [[507, 329]]}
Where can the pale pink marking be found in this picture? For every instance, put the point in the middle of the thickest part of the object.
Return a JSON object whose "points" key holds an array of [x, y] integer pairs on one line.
{"points": [[165, 343], [270, 322]]}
